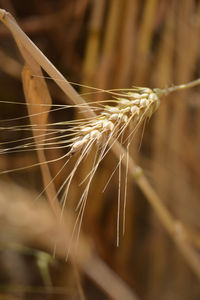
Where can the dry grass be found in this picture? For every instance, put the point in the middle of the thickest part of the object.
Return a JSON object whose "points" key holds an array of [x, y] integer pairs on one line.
{"points": [[113, 128]]}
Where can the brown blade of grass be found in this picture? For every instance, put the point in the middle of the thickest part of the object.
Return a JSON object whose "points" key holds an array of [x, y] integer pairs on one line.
{"points": [[168, 221], [126, 50], [109, 44], [144, 40], [36, 92], [93, 43], [162, 74]]}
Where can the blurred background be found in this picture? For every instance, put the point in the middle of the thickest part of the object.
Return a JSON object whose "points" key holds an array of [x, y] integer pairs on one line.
{"points": [[112, 44]]}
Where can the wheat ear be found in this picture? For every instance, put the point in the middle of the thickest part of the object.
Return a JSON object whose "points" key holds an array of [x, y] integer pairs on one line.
{"points": [[137, 105]]}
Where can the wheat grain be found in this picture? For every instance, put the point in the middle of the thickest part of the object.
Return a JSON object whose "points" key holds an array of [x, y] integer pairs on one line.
{"points": [[137, 105]]}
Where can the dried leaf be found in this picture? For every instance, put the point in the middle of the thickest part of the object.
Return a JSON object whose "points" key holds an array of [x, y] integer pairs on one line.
{"points": [[37, 94]]}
